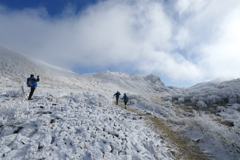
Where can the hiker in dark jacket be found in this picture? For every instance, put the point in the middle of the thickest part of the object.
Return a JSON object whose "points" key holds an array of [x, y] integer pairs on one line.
{"points": [[117, 96], [32, 82], [125, 99]]}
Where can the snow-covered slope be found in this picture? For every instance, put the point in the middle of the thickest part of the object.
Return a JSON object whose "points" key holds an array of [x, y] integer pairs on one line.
{"points": [[212, 83], [16, 67], [134, 83], [235, 83]]}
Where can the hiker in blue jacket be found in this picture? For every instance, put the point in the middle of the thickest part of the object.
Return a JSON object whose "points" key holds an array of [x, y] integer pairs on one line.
{"points": [[125, 99], [117, 96], [32, 82]]}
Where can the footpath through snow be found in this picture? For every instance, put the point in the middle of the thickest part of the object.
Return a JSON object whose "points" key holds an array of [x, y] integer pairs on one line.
{"points": [[184, 148]]}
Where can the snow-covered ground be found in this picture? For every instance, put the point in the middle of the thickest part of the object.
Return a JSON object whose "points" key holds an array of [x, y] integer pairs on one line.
{"points": [[73, 116]]}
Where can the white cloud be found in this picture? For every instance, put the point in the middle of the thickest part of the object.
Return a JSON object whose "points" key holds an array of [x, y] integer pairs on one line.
{"points": [[187, 6], [209, 32], [222, 57], [174, 65], [182, 38], [142, 34]]}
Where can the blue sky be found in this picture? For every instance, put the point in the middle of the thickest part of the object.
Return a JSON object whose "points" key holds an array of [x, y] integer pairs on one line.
{"points": [[182, 41], [53, 7]]}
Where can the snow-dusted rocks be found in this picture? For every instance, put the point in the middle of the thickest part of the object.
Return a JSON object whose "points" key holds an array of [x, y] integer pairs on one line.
{"points": [[78, 126]]}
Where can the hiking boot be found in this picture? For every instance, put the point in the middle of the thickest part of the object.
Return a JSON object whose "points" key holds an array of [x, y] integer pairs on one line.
{"points": [[30, 99]]}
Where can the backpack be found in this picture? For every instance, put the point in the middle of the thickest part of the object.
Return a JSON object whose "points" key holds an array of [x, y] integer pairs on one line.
{"points": [[29, 82], [125, 98]]}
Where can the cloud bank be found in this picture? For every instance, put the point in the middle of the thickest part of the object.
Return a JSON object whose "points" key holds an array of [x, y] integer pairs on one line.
{"points": [[185, 40]]}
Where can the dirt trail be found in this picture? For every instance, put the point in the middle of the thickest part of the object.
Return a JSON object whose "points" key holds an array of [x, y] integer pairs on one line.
{"points": [[186, 149]]}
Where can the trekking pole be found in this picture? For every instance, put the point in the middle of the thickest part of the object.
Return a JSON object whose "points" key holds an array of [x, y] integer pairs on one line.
{"points": [[22, 92]]}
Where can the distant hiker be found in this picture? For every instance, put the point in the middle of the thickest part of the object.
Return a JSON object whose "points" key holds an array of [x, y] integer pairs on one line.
{"points": [[32, 82], [125, 99], [117, 96]]}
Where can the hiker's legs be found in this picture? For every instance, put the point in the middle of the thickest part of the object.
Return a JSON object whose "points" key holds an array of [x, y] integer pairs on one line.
{"points": [[31, 93], [117, 100], [125, 102]]}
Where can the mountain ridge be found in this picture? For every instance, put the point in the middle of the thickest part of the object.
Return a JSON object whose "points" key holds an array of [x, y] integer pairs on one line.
{"points": [[17, 67]]}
